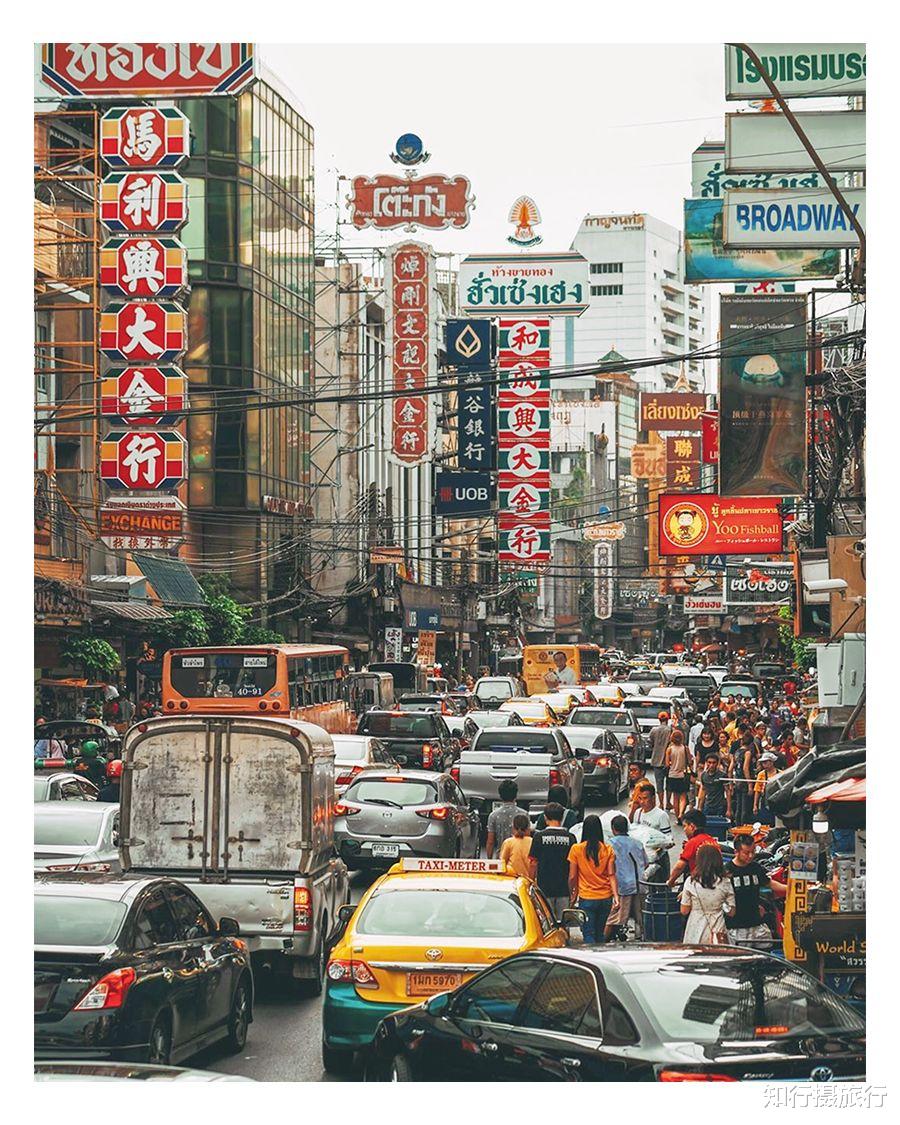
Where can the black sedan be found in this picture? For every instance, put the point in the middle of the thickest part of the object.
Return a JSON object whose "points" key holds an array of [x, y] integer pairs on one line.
{"points": [[605, 769], [652, 1013], [134, 969]]}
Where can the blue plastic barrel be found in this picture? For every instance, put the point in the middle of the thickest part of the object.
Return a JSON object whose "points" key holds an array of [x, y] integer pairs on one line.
{"points": [[717, 827], [663, 920]]}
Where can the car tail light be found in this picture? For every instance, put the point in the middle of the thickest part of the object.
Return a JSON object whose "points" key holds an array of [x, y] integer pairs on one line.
{"points": [[554, 776], [93, 867], [108, 992], [348, 775], [427, 755], [263, 705], [454, 773], [340, 809], [61, 867], [438, 812], [142, 727], [601, 759], [276, 706], [352, 972], [302, 909], [694, 1076]]}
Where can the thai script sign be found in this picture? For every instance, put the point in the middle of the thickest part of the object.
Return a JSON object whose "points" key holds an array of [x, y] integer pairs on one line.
{"points": [[143, 459], [671, 410], [648, 462], [761, 583], [411, 346], [387, 201], [60, 600], [704, 603], [393, 644], [636, 593], [603, 532], [614, 222], [800, 70], [144, 136], [142, 396], [524, 284], [143, 266], [799, 217], [149, 70], [143, 201], [766, 142], [142, 523], [709, 180], [706, 525]]}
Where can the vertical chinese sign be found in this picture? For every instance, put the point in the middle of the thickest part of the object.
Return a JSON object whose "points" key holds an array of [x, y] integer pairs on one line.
{"points": [[143, 394], [523, 403], [412, 346], [469, 351], [683, 463]]}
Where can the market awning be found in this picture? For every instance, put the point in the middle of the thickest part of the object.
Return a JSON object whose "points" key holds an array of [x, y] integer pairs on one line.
{"points": [[133, 611], [171, 579], [851, 789]]}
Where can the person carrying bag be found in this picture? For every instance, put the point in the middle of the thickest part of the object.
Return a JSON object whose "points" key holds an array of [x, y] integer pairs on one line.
{"points": [[707, 899]]}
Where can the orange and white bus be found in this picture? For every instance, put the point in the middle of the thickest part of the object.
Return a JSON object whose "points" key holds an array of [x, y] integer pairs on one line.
{"points": [[303, 681]]}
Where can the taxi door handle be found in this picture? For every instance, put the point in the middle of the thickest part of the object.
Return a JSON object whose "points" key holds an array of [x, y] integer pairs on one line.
{"points": [[490, 1047], [574, 1063]]}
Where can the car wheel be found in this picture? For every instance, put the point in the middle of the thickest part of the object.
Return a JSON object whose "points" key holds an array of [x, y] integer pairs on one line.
{"points": [[239, 1017], [159, 1047], [400, 1070], [335, 1061]]}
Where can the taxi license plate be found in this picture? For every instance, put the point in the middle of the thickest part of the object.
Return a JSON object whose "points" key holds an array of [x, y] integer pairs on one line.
{"points": [[427, 984], [388, 851]]}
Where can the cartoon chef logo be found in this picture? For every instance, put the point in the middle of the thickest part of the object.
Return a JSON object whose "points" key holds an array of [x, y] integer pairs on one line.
{"points": [[686, 524]]}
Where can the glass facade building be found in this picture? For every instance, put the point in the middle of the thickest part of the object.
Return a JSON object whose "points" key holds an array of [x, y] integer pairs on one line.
{"points": [[250, 318]]}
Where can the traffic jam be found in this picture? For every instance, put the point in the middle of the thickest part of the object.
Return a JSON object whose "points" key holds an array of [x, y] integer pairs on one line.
{"points": [[591, 870]]}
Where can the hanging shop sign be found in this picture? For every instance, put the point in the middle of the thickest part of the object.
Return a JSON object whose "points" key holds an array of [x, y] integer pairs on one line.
{"points": [[469, 350], [415, 619], [712, 604], [60, 601], [144, 137], [462, 493], [143, 331], [671, 410], [799, 70], [600, 532], [142, 523], [387, 556], [524, 284], [469, 344], [792, 218], [143, 266], [386, 201], [142, 396], [282, 506], [636, 593], [710, 181], [761, 583], [143, 201], [425, 652], [709, 438], [146, 70], [143, 459], [683, 463], [603, 581], [762, 395], [393, 644], [706, 525], [706, 259], [766, 142], [648, 462], [411, 344]]}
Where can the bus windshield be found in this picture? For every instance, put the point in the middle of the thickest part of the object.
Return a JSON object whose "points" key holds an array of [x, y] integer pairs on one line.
{"points": [[223, 675]]}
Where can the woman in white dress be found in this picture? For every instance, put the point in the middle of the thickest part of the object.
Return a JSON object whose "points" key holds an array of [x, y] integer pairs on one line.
{"points": [[707, 899]]}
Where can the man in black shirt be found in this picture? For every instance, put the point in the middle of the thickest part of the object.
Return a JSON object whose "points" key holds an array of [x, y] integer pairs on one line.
{"points": [[714, 795], [549, 858], [748, 877]]}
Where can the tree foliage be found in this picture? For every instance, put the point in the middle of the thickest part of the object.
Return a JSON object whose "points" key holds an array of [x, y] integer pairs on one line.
{"points": [[94, 656], [260, 635], [186, 628]]}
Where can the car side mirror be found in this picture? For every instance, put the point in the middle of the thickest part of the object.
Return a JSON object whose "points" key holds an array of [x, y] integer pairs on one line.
{"points": [[345, 913], [572, 917], [438, 1005], [229, 927], [580, 752]]}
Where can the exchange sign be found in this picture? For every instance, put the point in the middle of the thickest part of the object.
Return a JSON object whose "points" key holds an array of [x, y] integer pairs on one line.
{"points": [[386, 201], [142, 459], [150, 70], [706, 525], [144, 136], [142, 523], [143, 396], [525, 284], [143, 201], [143, 266], [143, 331]]}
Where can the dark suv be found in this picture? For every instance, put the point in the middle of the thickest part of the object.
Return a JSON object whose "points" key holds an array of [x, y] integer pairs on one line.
{"points": [[413, 738]]}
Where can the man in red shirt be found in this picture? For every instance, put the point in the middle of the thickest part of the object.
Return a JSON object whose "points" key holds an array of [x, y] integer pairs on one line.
{"points": [[697, 836]]}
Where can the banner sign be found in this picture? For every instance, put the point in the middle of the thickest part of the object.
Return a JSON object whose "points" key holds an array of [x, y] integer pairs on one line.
{"points": [[143, 266], [476, 431], [142, 523], [636, 593], [143, 331], [671, 410], [707, 260], [426, 649], [393, 645], [411, 344], [142, 396], [143, 201], [603, 581], [709, 438], [762, 395], [387, 201], [415, 619], [759, 583], [462, 493], [469, 345], [800, 70], [683, 463], [648, 462], [524, 284], [146, 70], [794, 218], [144, 137], [766, 142], [709, 180], [139, 459], [706, 525], [600, 532], [704, 604]]}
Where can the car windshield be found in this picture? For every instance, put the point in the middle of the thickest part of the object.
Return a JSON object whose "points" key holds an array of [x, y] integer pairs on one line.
{"points": [[419, 703], [399, 725], [442, 914], [709, 1000], [349, 749], [747, 691], [496, 689], [583, 718], [396, 791], [692, 681], [76, 921], [531, 742], [76, 829]]}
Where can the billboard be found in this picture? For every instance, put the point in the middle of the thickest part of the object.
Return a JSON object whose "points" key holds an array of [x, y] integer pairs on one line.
{"points": [[462, 493], [795, 217], [387, 201], [142, 396], [711, 603], [524, 284], [671, 410], [762, 583], [142, 523], [762, 395], [766, 142], [411, 347], [800, 70], [710, 181], [700, 524], [707, 260]]}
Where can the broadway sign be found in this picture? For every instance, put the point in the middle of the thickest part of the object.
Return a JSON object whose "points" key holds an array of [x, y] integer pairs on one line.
{"points": [[796, 217], [387, 201], [726, 525], [759, 583], [146, 70], [672, 410]]}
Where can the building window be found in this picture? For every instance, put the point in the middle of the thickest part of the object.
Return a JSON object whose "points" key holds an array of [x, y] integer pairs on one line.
{"points": [[606, 290], [606, 267]]}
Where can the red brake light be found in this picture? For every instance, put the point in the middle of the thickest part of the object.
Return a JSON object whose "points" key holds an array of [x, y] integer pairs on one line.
{"points": [[276, 706], [427, 755], [694, 1076], [108, 992], [263, 705], [302, 909], [438, 812], [554, 776], [348, 775], [142, 727], [171, 705], [454, 773], [183, 705], [340, 809]]}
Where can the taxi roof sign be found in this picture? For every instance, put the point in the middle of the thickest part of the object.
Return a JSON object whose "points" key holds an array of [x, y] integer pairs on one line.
{"points": [[468, 866]]}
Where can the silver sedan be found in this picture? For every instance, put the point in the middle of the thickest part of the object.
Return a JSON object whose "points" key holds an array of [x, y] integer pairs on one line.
{"points": [[76, 836]]}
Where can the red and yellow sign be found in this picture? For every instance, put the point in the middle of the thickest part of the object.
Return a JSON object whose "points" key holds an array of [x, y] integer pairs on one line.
{"points": [[142, 522], [144, 396], [143, 266], [142, 459], [387, 201], [683, 463], [144, 136], [411, 345], [143, 331], [143, 201], [719, 525]]}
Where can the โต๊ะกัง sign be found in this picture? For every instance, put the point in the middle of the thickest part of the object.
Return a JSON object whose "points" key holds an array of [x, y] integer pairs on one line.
{"points": [[792, 218], [143, 201], [141, 137], [139, 266], [143, 331], [151, 70], [142, 459], [728, 525], [799, 70], [142, 523], [387, 201], [143, 396], [673, 410], [524, 284], [411, 346]]}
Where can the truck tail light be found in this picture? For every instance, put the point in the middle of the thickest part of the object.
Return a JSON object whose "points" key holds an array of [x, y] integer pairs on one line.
{"points": [[302, 910], [108, 992], [694, 1076], [454, 773], [554, 776], [438, 812], [93, 867], [351, 972]]}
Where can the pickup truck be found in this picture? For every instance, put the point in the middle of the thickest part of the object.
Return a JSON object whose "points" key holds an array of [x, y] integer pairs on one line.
{"points": [[413, 738], [534, 758], [240, 809]]}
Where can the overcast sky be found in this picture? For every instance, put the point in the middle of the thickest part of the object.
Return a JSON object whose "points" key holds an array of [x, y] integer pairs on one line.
{"points": [[599, 129]]}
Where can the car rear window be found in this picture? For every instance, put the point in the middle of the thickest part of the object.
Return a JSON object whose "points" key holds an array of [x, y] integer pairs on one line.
{"points": [[494, 690], [401, 726], [350, 749], [533, 742], [442, 914], [715, 999], [76, 921], [399, 791], [75, 830], [581, 718], [490, 718], [419, 703], [692, 681]]}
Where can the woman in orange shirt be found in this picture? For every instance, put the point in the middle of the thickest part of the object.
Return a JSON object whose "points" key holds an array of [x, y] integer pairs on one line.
{"points": [[592, 879]]}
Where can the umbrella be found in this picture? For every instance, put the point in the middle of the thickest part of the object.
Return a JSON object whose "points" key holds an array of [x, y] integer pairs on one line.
{"points": [[851, 789]]}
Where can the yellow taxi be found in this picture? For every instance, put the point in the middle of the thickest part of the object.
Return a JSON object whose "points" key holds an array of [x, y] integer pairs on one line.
{"points": [[533, 712], [424, 927], [560, 702]]}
